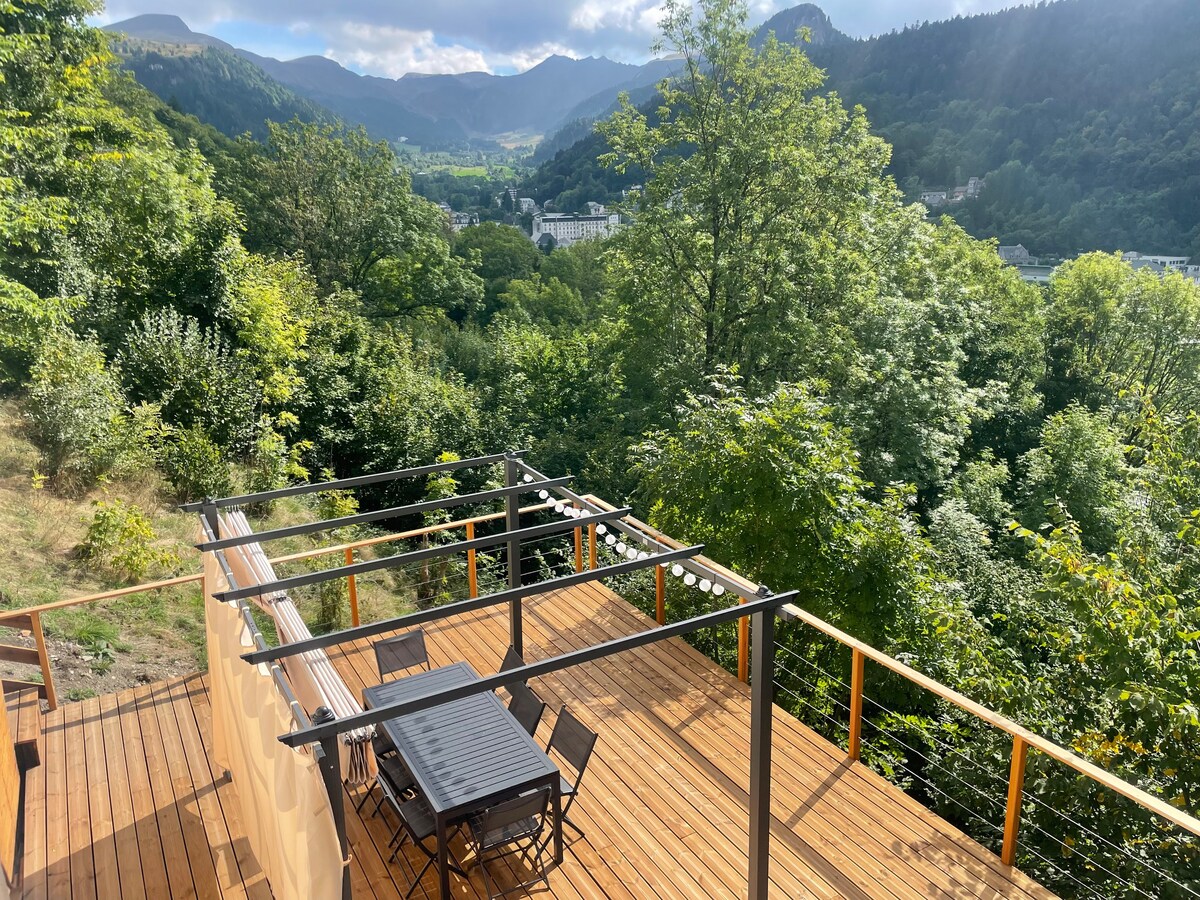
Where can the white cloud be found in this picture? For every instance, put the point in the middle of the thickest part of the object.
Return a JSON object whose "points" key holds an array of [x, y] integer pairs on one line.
{"points": [[390, 51]]}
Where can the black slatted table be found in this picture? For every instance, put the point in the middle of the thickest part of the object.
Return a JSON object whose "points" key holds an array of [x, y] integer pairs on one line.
{"points": [[465, 755]]}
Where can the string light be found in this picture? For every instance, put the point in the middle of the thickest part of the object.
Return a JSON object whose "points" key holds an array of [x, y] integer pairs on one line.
{"points": [[677, 570], [528, 478], [705, 585], [621, 547], [631, 553], [543, 495], [558, 507], [642, 554], [610, 539], [718, 590], [601, 528], [689, 579]]}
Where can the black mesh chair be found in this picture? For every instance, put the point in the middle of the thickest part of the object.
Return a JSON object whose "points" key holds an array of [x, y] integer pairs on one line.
{"points": [[573, 742], [405, 651], [512, 660], [417, 822], [514, 826], [525, 706], [395, 785]]}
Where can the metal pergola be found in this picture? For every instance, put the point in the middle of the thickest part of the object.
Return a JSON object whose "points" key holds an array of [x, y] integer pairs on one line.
{"points": [[761, 607]]}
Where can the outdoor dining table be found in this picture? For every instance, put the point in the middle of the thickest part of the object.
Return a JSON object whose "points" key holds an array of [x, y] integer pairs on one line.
{"points": [[465, 755]]}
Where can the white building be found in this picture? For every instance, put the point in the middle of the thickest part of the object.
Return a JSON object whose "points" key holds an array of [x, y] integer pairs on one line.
{"points": [[1017, 255], [459, 221], [596, 209], [933, 198], [526, 204], [567, 228], [1167, 262]]}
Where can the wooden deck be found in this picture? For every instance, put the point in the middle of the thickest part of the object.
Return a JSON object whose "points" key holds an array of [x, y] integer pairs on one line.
{"points": [[127, 804]]}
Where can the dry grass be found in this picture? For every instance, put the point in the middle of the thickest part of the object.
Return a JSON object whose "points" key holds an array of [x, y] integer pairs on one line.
{"points": [[106, 646]]}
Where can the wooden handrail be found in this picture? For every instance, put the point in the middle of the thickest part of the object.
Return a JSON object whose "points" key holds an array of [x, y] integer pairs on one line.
{"points": [[1102, 776]]}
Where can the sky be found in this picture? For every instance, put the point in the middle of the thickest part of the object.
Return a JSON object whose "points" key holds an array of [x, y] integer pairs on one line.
{"points": [[392, 37]]}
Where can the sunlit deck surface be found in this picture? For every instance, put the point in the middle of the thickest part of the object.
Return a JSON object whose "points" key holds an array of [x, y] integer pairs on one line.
{"points": [[128, 804]]}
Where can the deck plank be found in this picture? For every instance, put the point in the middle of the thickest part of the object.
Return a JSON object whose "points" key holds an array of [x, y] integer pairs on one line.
{"points": [[128, 788]]}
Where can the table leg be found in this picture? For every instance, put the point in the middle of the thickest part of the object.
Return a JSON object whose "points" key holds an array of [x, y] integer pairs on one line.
{"points": [[443, 859], [558, 828]]}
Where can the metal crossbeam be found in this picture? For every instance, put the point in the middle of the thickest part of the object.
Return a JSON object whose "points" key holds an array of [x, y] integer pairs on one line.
{"points": [[420, 617], [374, 565], [342, 484], [393, 512], [534, 670]]}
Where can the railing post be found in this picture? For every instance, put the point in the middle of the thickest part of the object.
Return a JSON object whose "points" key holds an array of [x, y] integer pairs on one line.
{"points": [[857, 666], [660, 595], [472, 572], [331, 773], [578, 547], [762, 689], [744, 638], [591, 546], [1016, 793], [353, 589], [512, 521], [39, 638]]}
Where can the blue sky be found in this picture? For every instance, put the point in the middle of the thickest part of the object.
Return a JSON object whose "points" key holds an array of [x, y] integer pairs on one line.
{"points": [[391, 37]]}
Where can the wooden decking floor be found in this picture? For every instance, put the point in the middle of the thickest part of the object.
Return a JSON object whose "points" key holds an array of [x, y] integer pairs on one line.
{"points": [[127, 803]]}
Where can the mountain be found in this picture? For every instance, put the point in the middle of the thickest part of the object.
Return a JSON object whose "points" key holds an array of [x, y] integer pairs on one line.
{"points": [[787, 24], [1081, 116], [435, 110]]}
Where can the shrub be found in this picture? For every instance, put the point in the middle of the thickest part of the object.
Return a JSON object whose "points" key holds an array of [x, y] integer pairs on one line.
{"points": [[75, 411], [193, 374], [121, 538], [195, 467]]}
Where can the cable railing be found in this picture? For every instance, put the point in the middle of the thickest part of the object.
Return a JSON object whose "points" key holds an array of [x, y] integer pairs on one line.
{"points": [[1071, 854]]}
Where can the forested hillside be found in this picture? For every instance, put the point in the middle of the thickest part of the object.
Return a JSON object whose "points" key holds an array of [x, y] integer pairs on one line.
{"points": [[217, 86], [1082, 116], [778, 357]]}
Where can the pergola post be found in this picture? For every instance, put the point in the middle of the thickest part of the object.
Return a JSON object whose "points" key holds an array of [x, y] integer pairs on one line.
{"points": [[512, 522], [762, 689], [331, 774]]}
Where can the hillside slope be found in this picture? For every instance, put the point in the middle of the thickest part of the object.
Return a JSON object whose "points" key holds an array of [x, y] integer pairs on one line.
{"points": [[1082, 115]]}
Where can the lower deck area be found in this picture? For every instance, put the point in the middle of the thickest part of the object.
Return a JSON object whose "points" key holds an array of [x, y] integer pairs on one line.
{"points": [[126, 802]]}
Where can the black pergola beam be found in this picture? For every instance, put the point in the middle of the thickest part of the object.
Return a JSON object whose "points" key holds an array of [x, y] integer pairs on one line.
{"points": [[380, 714], [342, 484], [698, 569], [460, 607], [393, 512], [374, 565]]}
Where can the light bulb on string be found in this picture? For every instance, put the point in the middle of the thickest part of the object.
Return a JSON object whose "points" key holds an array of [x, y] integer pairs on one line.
{"points": [[718, 590], [631, 553], [558, 507], [528, 478], [689, 579], [543, 495], [621, 547], [610, 539], [705, 585], [677, 570], [601, 528]]}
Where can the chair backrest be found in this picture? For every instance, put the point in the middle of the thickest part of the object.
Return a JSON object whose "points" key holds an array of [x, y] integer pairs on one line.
{"points": [[497, 822], [573, 741], [525, 706], [401, 652], [512, 659]]}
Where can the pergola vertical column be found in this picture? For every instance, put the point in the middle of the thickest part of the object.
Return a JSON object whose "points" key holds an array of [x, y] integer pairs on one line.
{"points": [[331, 774], [512, 522], [762, 689]]}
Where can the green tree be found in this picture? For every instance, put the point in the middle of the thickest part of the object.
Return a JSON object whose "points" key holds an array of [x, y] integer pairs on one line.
{"points": [[498, 254], [1113, 328], [548, 303]]}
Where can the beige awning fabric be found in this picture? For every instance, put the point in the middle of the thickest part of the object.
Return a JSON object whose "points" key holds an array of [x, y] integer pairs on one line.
{"points": [[285, 809], [312, 675]]}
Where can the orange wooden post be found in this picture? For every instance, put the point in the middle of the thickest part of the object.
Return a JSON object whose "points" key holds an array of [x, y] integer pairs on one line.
{"points": [[744, 648], [39, 638], [353, 589], [857, 665], [660, 595], [579, 548], [1016, 793], [591, 546], [472, 575]]}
